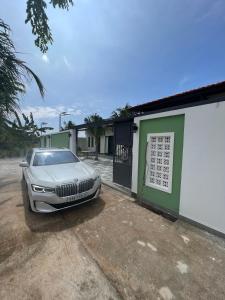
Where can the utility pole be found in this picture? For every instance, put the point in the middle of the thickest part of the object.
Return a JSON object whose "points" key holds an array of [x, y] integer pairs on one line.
{"points": [[64, 113], [42, 124]]}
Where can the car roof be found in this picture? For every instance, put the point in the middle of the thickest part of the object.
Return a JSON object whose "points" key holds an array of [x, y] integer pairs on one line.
{"points": [[50, 149]]}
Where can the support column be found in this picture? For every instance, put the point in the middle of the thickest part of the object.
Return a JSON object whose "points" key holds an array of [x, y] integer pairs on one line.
{"points": [[73, 140]]}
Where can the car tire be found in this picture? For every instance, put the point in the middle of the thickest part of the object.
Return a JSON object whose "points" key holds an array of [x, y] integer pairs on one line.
{"points": [[28, 199]]}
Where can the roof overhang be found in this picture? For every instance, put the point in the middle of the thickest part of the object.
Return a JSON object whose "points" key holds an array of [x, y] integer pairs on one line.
{"points": [[189, 98], [105, 123]]}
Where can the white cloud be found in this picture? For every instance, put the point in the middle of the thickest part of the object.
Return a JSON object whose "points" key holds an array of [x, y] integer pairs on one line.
{"points": [[183, 81], [45, 58], [216, 9], [50, 112], [67, 63]]}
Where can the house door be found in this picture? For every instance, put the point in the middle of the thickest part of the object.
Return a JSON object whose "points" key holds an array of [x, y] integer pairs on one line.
{"points": [[110, 145], [122, 158], [98, 149]]}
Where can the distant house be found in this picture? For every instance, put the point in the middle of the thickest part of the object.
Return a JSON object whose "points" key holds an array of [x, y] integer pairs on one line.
{"points": [[106, 142], [71, 139]]}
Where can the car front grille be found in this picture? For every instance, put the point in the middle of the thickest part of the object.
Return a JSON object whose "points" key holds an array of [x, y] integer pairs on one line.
{"points": [[85, 185], [66, 190], [73, 189]]}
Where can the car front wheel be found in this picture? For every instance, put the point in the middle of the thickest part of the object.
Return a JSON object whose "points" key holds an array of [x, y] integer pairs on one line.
{"points": [[28, 198]]}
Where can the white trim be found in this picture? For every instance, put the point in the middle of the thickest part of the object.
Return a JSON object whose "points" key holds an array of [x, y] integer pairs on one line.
{"points": [[170, 166], [137, 120], [72, 140]]}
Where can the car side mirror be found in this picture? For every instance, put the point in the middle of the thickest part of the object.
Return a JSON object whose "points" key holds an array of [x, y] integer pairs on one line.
{"points": [[24, 164]]}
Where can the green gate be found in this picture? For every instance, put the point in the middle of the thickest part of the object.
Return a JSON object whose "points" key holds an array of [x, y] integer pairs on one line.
{"points": [[153, 131]]}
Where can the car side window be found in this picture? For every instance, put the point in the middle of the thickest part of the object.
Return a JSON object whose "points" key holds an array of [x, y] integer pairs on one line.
{"points": [[29, 155]]}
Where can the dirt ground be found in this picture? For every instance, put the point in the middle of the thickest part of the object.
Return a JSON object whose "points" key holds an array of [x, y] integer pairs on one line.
{"points": [[108, 249]]}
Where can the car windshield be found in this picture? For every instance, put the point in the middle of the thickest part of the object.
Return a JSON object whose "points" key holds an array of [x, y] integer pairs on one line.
{"points": [[54, 158]]}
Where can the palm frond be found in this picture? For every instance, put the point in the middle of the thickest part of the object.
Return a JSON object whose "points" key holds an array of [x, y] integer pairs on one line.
{"points": [[13, 74]]}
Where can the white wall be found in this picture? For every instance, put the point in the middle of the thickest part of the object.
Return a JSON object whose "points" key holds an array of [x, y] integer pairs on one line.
{"points": [[108, 131], [73, 140], [103, 140], [202, 196], [48, 141], [102, 144], [106, 144], [90, 148]]}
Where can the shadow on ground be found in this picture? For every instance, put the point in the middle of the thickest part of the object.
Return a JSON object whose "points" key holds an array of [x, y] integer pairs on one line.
{"points": [[59, 221], [5, 182], [5, 201]]}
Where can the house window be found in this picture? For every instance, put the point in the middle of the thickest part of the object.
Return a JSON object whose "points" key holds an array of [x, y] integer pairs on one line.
{"points": [[89, 142], [159, 161]]}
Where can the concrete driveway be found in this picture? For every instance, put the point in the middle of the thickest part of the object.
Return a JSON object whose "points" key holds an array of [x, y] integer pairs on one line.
{"points": [[109, 249]]}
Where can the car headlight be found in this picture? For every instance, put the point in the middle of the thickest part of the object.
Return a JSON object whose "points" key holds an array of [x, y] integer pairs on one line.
{"points": [[42, 189]]}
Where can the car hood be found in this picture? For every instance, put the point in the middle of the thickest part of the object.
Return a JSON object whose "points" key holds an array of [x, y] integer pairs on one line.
{"points": [[62, 173]]}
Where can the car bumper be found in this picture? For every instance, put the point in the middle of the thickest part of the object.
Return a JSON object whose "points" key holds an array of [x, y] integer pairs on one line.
{"points": [[50, 202]]}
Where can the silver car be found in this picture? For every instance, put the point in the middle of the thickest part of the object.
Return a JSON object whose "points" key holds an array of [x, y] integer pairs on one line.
{"points": [[56, 179]]}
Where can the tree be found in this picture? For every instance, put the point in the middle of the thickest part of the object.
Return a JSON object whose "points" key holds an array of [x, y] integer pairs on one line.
{"points": [[69, 125], [13, 71], [19, 134], [13, 74], [95, 128], [36, 16], [28, 125], [121, 112]]}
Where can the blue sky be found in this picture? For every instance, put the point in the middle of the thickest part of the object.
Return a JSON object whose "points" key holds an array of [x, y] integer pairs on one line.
{"points": [[108, 53]]}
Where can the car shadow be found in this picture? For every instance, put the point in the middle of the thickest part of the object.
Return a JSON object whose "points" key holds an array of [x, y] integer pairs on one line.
{"points": [[61, 220]]}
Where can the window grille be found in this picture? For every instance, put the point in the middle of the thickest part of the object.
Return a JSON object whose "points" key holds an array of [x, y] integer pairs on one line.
{"points": [[159, 161]]}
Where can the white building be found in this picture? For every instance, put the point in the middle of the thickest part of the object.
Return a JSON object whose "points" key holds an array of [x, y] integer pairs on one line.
{"points": [[106, 141]]}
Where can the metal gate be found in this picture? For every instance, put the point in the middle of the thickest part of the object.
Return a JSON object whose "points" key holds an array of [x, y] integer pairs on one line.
{"points": [[122, 158]]}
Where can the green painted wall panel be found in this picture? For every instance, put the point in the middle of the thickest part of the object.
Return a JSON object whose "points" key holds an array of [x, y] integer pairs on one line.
{"points": [[60, 140], [166, 124]]}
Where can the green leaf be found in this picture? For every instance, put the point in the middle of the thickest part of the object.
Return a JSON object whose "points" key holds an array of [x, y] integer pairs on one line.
{"points": [[37, 17]]}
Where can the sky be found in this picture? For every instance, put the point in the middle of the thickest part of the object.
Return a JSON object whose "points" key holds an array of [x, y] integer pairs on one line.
{"points": [[108, 53]]}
